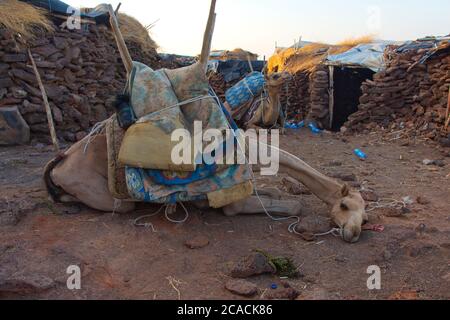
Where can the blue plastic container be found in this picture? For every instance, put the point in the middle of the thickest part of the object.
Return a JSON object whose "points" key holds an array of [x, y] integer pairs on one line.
{"points": [[360, 154], [314, 129]]}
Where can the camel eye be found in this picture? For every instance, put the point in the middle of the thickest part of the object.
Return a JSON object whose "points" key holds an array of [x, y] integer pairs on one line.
{"points": [[276, 77], [344, 206]]}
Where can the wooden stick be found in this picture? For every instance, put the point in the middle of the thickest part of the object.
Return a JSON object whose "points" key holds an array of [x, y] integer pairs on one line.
{"points": [[207, 37], [447, 114], [250, 63], [331, 95], [48, 110], [123, 50], [117, 9]]}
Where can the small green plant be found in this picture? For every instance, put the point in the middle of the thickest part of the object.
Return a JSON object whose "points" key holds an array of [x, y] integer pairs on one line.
{"points": [[285, 266]]}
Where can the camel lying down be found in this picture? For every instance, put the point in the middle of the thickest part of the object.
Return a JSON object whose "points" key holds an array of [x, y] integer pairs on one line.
{"points": [[78, 176]]}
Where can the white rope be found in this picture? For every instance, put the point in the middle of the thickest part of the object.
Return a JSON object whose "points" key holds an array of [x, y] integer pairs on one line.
{"points": [[166, 214], [179, 104], [117, 204], [95, 131], [386, 203], [147, 225], [248, 87], [166, 207], [335, 232]]}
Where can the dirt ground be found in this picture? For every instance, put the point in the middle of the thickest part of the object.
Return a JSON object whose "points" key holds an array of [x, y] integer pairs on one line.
{"points": [[39, 240]]}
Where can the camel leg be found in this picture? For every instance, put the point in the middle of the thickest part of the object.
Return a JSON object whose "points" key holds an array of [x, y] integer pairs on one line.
{"points": [[252, 205], [84, 176], [282, 121], [273, 193]]}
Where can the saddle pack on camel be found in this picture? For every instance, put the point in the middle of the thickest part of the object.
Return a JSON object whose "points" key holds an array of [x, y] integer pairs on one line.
{"points": [[140, 166]]}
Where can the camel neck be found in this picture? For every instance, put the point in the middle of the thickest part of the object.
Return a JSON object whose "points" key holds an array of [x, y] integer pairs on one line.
{"points": [[325, 188]]}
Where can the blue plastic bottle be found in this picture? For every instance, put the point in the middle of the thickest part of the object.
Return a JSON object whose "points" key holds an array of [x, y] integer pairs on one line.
{"points": [[314, 129], [360, 154]]}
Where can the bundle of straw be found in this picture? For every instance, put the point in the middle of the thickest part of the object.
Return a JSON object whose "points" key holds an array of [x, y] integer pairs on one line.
{"points": [[23, 18], [134, 32]]}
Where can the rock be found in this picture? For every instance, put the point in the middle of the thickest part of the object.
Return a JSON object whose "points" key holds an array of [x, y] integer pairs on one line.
{"points": [[197, 242], [23, 75], [241, 287], [252, 265], [314, 224], [13, 128], [422, 200], [6, 82], [57, 114], [445, 142], [3, 92], [335, 164], [348, 177], [24, 284], [294, 187], [315, 293], [369, 196], [18, 93], [439, 163], [17, 57], [46, 51], [285, 292]]}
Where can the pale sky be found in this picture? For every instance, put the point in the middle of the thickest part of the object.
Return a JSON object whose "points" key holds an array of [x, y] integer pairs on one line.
{"points": [[256, 25]]}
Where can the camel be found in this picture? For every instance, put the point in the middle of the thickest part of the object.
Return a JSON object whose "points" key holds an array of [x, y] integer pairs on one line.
{"points": [[80, 175], [265, 111]]}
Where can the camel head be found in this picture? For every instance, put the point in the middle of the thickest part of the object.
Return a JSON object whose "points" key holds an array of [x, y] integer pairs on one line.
{"points": [[349, 214], [277, 79]]}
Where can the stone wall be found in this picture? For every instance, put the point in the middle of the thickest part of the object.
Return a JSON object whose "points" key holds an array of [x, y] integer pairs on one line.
{"points": [[406, 96], [81, 70]]}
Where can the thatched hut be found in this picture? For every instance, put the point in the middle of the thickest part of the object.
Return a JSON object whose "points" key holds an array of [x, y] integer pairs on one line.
{"points": [[319, 91]]}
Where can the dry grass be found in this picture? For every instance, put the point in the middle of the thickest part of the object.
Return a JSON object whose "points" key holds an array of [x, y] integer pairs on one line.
{"points": [[353, 42], [311, 55], [237, 54], [133, 31], [23, 18]]}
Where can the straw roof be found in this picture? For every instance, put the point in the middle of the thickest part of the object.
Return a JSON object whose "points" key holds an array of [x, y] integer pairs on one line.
{"points": [[307, 58], [236, 54], [134, 32], [23, 18]]}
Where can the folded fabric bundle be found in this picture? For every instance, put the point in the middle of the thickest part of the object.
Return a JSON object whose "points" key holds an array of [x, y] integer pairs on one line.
{"points": [[245, 90], [163, 101]]}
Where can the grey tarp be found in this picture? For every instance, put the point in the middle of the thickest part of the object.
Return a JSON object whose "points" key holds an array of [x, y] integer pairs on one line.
{"points": [[369, 56]]}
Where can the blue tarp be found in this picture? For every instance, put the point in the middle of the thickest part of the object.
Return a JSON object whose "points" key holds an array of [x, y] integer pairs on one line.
{"points": [[99, 14], [55, 6]]}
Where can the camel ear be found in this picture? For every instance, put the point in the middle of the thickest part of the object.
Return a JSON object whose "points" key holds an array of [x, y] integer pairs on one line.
{"points": [[345, 190]]}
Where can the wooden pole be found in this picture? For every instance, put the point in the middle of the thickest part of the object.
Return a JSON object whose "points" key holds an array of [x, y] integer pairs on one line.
{"points": [[48, 110], [331, 95], [117, 9], [447, 114], [207, 37], [250, 63], [123, 50]]}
